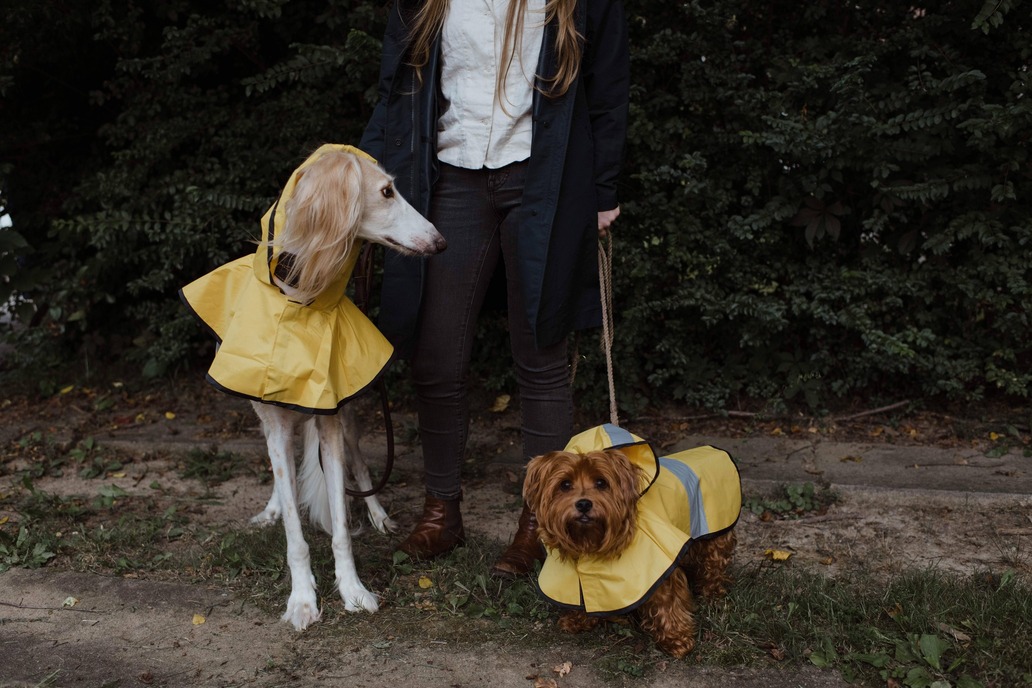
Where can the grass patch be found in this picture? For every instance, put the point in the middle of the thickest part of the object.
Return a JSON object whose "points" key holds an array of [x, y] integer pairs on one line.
{"points": [[923, 629], [213, 467], [791, 501], [920, 629]]}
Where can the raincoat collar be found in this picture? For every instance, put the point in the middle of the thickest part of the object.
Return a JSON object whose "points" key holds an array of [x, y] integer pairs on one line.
{"points": [[609, 436]]}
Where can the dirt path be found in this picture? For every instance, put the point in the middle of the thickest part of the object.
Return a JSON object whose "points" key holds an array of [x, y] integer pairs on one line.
{"points": [[962, 512]]}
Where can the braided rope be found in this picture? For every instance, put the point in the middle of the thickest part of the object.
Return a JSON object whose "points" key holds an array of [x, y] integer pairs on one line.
{"points": [[605, 281]]}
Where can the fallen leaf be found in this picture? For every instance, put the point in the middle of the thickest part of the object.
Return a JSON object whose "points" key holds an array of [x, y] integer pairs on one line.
{"points": [[994, 436], [777, 554], [169, 415], [959, 636], [501, 403], [853, 459], [66, 390], [4, 519], [141, 418], [425, 582], [895, 610], [198, 619], [118, 475], [70, 601], [777, 653], [776, 431], [563, 669]]}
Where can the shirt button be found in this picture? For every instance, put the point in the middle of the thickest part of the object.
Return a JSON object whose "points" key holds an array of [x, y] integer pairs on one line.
{"points": [[397, 142]]}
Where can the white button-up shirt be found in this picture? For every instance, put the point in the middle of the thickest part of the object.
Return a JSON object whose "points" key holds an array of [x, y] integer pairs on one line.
{"points": [[475, 129]]}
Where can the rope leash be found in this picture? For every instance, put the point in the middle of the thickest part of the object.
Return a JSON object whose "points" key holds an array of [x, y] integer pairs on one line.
{"points": [[605, 283]]}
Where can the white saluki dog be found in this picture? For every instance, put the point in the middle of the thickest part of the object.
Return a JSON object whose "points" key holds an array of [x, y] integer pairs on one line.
{"points": [[339, 198]]}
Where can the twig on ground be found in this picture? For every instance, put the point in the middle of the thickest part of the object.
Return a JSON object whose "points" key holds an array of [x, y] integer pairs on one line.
{"points": [[872, 412]]}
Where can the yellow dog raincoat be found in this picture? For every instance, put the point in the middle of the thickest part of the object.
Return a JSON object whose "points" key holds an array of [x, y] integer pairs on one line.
{"points": [[690, 495], [306, 357]]}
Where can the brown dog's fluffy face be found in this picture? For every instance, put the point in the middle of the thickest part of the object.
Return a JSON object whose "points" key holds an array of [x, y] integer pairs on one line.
{"points": [[584, 503]]}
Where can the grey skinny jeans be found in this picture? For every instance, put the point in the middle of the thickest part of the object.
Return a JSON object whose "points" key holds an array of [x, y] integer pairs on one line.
{"points": [[477, 212]]}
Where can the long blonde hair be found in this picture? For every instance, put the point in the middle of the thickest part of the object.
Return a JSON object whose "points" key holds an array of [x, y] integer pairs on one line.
{"points": [[427, 23]]}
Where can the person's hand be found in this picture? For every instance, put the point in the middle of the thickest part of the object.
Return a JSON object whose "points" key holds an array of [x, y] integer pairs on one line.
{"points": [[605, 220]]}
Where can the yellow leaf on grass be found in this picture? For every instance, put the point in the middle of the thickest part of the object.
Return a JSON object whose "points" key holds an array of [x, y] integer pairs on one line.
{"points": [[994, 436], [501, 403], [777, 554], [425, 582], [118, 475], [66, 390], [169, 415], [198, 619], [4, 519]]}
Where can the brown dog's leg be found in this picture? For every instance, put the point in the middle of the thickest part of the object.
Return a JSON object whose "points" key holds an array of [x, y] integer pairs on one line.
{"points": [[576, 621], [707, 565], [668, 616]]}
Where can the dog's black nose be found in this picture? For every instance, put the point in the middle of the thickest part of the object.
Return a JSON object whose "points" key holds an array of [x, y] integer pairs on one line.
{"points": [[583, 505]]}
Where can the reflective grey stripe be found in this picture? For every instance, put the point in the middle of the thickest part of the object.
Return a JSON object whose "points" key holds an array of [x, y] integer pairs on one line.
{"points": [[690, 480], [618, 437]]}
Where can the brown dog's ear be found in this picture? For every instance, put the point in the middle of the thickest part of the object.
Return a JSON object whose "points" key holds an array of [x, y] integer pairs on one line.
{"points": [[629, 474], [532, 487], [536, 484]]}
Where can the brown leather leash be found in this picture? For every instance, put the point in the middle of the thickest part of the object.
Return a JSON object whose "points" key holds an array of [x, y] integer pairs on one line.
{"points": [[363, 277]]}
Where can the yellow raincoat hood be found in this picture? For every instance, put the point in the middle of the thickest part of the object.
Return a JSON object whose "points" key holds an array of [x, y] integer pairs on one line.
{"points": [[307, 357], [690, 495]]}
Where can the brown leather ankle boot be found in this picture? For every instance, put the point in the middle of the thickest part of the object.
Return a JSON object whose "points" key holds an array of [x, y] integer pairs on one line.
{"points": [[439, 530], [518, 560]]}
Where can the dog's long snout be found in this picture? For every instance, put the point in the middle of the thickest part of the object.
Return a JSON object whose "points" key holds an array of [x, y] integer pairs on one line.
{"points": [[584, 505]]}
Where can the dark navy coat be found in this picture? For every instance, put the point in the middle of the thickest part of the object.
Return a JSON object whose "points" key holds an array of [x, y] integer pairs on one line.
{"points": [[576, 152]]}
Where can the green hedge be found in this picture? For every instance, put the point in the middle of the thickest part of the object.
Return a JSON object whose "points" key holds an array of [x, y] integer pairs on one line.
{"points": [[822, 203]]}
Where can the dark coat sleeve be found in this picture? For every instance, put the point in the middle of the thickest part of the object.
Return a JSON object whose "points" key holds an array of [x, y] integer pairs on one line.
{"points": [[391, 56], [606, 75]]}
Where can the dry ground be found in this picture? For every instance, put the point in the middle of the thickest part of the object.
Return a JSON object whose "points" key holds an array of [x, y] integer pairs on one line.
{"points": [[142, 628]]}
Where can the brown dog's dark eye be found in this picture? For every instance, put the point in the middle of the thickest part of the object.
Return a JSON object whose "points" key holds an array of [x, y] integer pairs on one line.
{"points": [[601, 484], [388, 192], [565, 486]]}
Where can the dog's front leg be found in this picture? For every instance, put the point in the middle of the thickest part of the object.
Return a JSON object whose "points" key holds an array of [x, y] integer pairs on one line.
{"points": [[302, 606], [355, 595], [668, 615], [357, 465]]}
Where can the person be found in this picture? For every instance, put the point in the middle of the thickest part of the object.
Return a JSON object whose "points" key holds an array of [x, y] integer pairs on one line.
{"points": [[504, 122]]}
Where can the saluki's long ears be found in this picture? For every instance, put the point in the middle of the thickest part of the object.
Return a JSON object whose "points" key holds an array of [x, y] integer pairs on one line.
{"points": [[322, 221]]}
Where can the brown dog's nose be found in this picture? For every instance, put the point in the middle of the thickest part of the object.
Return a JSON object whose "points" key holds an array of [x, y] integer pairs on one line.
{"points": [[583, 505]]}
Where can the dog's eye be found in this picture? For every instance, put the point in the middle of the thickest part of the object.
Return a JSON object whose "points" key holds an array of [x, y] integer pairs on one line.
{"points": [[388, 191], [601, 484], [566, 486]]}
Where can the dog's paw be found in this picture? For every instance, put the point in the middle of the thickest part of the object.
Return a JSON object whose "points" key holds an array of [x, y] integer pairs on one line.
{"points": [[383, 523], [358, 599], [302, 610], [266, 518], [576, 621], [678, 647]]}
